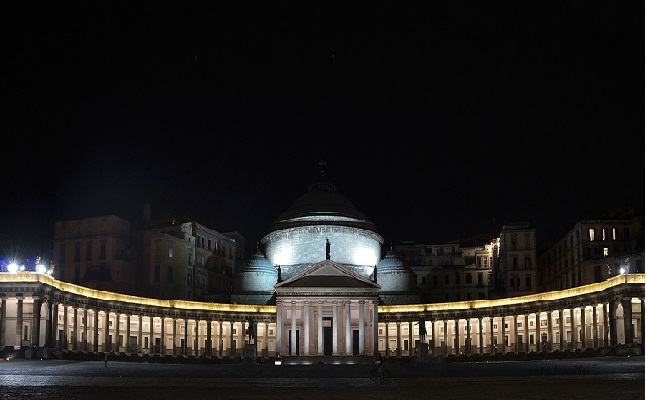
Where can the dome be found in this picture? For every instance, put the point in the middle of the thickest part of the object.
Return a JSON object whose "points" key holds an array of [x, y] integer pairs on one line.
{"points": [[394, 276], [322, 224], [322, 203], [256, 275]]}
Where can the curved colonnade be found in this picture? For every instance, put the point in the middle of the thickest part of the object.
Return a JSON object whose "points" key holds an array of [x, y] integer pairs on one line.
{"points": [[38, 311]]}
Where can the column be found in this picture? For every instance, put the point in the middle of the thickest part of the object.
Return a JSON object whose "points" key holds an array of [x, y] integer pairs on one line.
{"points": [[220, 340], [65, 327], [388, 346], [84, 336], [140, 335], [75, 329], [433, 338], [526, 333], [306, 327], [594, 316], [127, 339], [279, 342], [151, 341], [185, 347], [348, 334], [266, 339], [375, 328], [54, 319], [605, 322], [362, 350], [398, 341], [628, 315], [174, 319], [334, 327], [492, 335], [501, 336], [573, 329], [319, 329], [106, 342], [642, 320], [514, 335], [583, 327], [549, 340], [209, 342], [48, 326], [95, 331], [35, 333], [163, 336], [446, 336], [293, 321], [232, 351], [3, 319], [457, 344], [19, 323], [116, 342], [537, 331], [198, 344], [468, 338], [480, 335], [411, 342]]}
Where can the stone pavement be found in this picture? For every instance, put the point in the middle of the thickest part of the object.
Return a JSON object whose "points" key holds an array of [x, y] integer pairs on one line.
{"points": [[591, 378]]}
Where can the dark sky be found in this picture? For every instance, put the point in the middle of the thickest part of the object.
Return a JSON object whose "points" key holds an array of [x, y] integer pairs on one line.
{"points": [[438, 121]]}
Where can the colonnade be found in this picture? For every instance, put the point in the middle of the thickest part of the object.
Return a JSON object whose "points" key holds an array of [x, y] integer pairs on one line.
{"points": [[37, 311]]}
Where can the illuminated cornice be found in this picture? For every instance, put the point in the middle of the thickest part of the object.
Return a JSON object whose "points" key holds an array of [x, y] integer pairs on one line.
{"points": [[544, 296], [31, 277]]}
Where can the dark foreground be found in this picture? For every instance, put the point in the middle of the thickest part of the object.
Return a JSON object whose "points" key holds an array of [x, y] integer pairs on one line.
{"points": [[620, 378]]}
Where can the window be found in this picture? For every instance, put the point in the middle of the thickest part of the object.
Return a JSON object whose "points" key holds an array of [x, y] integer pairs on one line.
{"points": [[423, 280], [515, 264], [613, 234], [526, 240], [158, 249], [519, 325], [170, 250], [381, 332], [468, 278], [513, 242], [457, 277], [592, 234], [434, 281], [88, 251], [605, 251], [169, 274], [479, 278], [604, 234], [528, 283], [157, 272], [102, 249], [209, 244]]}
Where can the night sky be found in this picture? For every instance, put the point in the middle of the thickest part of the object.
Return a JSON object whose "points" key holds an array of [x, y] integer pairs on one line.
{"points": [[438, 121]]}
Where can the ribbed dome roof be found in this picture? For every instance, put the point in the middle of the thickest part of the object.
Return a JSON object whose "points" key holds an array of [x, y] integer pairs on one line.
{"points": [[322, 204], [391, 264], [257, 264]]}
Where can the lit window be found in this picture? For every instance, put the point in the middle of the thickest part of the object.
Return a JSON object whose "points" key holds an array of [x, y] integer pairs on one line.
{"points": [[604, 234], [591, 234], [613, 233], [606, 251]]}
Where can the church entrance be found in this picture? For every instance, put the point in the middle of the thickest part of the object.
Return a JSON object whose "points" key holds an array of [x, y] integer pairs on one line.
{"points": [[327, 334], [290, 343], [355, 342]]}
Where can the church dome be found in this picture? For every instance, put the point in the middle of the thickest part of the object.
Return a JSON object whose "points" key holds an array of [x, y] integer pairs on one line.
{"points": [[393, 275], [321, 203], [256, 275], [322, 223]]}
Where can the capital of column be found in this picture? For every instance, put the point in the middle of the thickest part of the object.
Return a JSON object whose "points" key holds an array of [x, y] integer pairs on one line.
{"points": [[347, 302]]}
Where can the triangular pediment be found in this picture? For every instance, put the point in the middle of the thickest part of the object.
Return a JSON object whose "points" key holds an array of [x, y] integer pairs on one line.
{"points": [[326, 274]]}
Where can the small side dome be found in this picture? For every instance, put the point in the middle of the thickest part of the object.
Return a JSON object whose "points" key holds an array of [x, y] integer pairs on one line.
{"points": [[257, 275], [391, 263], [393, 276]]}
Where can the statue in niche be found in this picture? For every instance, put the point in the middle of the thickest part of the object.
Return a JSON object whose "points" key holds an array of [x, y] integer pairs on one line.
{"points": [[327, 249]]}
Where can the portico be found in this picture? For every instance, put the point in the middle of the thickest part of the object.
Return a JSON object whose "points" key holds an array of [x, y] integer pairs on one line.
{"points": [[326, 310]]}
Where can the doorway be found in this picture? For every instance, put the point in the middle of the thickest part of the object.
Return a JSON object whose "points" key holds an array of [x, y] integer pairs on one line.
{"points": [[290, 343], [327, 334]]}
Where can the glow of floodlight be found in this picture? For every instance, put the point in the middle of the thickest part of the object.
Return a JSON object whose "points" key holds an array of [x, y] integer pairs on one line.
{"points": [[40, 269], [12, 268]]}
